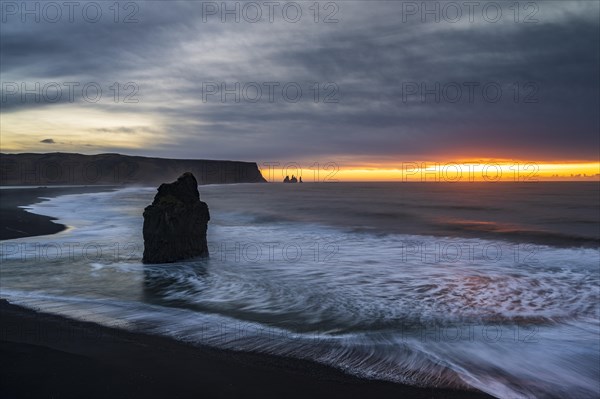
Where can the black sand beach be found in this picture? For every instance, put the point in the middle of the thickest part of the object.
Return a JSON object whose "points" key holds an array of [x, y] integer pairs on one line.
{"points": [[17, 222], [47, 356]]}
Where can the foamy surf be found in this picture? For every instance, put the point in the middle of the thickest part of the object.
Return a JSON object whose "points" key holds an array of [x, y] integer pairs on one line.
{"points": [[508, 319]]}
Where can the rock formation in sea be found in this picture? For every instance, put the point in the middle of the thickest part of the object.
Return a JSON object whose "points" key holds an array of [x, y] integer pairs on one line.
{"points": [[292, 180], [176, 222]]}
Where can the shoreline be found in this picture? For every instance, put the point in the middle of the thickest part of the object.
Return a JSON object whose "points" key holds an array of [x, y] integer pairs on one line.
{"points": [[70, 358], [20, 223]]}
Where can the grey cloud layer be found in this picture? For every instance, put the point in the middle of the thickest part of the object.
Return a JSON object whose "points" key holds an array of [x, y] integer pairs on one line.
{"points": [[369, 54]]}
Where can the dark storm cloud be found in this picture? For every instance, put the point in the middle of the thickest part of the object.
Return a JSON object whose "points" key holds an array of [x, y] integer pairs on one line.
{"points": [[371, 55], [48, 141]]}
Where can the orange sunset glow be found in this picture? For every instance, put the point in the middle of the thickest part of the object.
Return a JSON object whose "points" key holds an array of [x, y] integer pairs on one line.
{"points": [[450, 171]]}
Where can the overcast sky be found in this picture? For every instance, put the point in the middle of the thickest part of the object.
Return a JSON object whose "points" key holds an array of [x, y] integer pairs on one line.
{"points": [[370, 61]]}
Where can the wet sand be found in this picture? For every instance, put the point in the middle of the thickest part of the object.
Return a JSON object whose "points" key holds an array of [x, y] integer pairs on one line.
{"points": [[47, 356]]}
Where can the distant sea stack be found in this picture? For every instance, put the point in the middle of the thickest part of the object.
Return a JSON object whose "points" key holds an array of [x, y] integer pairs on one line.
{"points": [[175, 224], [59, 168], [292, 180]]}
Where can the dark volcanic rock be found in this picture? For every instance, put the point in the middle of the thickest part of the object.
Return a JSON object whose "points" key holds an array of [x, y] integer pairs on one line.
{"points": [[175, 224]]}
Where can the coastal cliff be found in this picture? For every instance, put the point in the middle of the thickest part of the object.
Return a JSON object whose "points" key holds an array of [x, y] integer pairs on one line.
{"points": [[29, 169]]}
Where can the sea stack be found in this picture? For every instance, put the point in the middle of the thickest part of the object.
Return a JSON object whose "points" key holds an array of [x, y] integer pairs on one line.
{"points": [[176, 222]]}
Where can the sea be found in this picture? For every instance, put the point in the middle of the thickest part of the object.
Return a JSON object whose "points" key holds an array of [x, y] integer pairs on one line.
{"points": [[489, 286]]}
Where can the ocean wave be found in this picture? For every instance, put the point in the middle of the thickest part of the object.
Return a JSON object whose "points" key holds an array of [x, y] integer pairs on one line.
{"points": [[521, 233]]}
